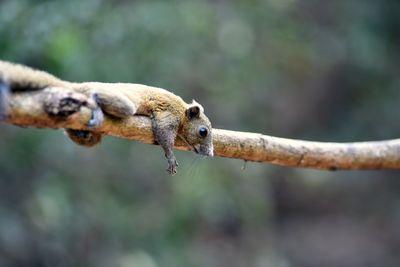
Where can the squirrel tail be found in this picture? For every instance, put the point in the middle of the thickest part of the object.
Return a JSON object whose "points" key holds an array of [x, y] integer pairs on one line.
{"points": [[23, 78]]}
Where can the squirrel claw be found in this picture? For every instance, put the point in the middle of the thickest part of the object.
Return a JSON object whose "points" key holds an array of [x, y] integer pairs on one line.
{"points": [[97, 114], [97, 118], [172, 166], [4, 91]]}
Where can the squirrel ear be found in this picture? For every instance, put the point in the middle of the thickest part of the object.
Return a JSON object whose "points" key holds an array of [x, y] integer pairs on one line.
{"points": [[193, 111]]}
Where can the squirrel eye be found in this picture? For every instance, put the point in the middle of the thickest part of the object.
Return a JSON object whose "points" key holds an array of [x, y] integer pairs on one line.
{"points": [[203, 131]]}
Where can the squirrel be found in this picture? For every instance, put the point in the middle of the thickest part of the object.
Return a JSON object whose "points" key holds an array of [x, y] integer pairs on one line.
{"points": [[170, 116]]}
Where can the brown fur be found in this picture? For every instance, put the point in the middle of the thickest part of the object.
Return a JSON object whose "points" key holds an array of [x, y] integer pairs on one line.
{"points": [[170, 115]]}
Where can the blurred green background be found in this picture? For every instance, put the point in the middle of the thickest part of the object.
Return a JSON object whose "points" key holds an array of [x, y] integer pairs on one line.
{"points": [[316, 70]]}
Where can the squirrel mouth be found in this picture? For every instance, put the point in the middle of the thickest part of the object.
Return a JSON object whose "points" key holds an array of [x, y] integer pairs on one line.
{"points": [[189, 145], [199, 150], [204, 151]]}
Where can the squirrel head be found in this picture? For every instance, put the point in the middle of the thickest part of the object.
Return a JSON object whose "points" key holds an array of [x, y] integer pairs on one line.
{"points": [[197, 130]]}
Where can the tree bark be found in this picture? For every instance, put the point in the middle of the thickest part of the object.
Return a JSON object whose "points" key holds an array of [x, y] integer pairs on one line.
{"points": [[60, 108]]}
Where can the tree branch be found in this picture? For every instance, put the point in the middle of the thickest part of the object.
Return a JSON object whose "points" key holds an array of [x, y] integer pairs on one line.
{"points": [[61, 108]]}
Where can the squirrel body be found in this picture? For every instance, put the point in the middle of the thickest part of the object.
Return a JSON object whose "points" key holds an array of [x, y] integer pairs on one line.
{"points": [[171, 117]]}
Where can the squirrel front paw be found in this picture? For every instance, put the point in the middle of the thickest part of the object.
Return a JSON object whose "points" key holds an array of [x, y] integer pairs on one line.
{"points": [[172, 166]]}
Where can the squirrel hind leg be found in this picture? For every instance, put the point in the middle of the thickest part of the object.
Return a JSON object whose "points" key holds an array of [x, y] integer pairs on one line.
{"points": [[89, 138], [84, 138], [114, 104]]}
